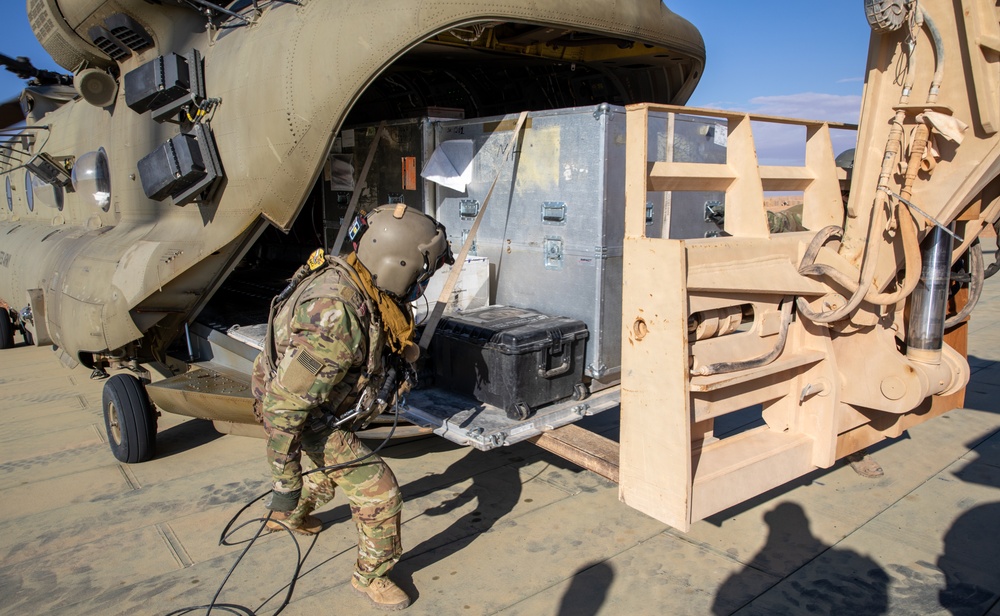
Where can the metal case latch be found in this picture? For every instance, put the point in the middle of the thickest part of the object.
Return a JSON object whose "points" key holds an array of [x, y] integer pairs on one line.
{"points": [[553, 213], [553, 253], [468, 208]]}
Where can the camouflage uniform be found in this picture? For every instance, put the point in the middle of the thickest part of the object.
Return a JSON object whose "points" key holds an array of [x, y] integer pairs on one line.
{"points": [[786, 220], [322, 335]]}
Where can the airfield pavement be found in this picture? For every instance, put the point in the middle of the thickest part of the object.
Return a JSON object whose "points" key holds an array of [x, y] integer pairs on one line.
{"points": [[514, 531]]}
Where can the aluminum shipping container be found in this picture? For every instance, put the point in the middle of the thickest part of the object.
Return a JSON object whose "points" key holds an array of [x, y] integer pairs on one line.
{"points": [[554, 227]]}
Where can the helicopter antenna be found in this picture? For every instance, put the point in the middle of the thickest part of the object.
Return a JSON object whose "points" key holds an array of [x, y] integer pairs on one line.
{"points": [[208, 7]]}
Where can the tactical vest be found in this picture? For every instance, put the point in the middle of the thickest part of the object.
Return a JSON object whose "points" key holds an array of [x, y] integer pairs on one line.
{"points": [[332, 280]]}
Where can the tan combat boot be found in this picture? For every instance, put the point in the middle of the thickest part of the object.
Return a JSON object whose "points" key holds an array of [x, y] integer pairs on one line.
{"points": [[383, 593], [310, 525]]}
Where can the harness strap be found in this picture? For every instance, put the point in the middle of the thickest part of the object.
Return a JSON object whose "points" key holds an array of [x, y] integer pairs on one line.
{"points": [[348, 293]]}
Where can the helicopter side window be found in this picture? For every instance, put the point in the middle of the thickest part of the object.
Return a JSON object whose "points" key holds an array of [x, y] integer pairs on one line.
{"points": [[10, 196], [92, 178], [44, 193], [29, 193]]}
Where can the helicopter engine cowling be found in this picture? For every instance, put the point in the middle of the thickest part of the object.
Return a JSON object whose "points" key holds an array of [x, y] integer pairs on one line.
{"points": [[50, 23]]}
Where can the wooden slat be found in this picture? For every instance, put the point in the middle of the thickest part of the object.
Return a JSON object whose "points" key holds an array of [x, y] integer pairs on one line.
{"points": [[824, 203], [665, 176], [656, 409], [724, 113], [636, 172], [592, 451], [786, 178], [744, 212], [982, 29], [732, 470]]}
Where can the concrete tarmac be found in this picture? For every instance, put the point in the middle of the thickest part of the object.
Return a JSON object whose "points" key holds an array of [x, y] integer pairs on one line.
{"points": [[513, 531]]}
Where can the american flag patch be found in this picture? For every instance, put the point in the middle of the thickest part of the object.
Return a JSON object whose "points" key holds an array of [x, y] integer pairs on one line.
{"points": [[309, 362]]}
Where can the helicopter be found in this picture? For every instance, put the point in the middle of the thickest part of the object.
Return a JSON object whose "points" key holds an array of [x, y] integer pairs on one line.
{"points": [[182, 170], [205, 149]]}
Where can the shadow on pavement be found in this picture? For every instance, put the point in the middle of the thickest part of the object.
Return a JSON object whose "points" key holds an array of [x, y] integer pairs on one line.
{"points": [[972, 546], [588, 590], [836, 581], [184, 436]]}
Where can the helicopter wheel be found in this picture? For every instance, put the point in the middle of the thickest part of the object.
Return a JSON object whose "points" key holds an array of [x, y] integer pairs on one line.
{"points": [[6, 330], [129, 419]]}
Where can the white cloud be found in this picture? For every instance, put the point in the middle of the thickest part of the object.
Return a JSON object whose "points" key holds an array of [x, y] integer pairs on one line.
{"points": [[781, 144], [809, 105]]}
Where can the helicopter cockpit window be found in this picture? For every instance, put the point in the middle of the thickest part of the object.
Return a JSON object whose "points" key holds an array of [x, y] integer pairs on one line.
{"points": [[92, 178], [10, 196], [29, 194]]}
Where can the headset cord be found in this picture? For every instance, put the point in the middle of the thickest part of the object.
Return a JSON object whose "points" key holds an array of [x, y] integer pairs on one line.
{"points": [[226, 534]]}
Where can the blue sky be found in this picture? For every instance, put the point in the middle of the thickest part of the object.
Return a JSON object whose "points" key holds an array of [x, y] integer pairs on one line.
{"points": [[763, 57], [18, 40], [803, 59]]}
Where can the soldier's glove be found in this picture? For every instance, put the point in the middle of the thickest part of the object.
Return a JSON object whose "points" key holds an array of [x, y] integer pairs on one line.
{"points": [[405, 377], [283, 502], [406, 385]]}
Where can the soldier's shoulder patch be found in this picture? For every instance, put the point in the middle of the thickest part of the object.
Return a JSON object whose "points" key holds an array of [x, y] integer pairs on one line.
{"points": [[309, 362], [352, 298], [300, 375]]}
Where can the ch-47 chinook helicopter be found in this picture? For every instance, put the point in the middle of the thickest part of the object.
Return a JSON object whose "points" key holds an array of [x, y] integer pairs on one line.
{"points": [[195, 133], [197, 160]]}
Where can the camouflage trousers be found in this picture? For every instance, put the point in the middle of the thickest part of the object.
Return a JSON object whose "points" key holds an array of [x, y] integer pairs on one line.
{"points": [[371, 488]]}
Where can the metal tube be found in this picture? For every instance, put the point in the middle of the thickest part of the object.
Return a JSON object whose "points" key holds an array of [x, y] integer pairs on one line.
{"points": [[929, 300], [187, 337]]}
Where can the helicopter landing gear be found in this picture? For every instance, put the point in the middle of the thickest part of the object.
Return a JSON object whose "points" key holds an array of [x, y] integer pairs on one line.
{"points": [[129, 418]]}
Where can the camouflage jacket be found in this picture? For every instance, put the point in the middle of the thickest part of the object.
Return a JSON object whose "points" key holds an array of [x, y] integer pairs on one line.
{"points": [[322, 335]]}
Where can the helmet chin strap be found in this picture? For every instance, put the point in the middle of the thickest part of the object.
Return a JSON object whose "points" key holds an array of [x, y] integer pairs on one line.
{"points": [[416, 291]]}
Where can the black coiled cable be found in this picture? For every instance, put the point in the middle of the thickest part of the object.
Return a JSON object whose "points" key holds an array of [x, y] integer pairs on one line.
{"points": [[227, 534]]}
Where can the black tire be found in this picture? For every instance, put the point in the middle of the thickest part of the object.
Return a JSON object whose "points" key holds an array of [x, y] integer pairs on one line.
{"points": [[129, 419], [6, 330]]}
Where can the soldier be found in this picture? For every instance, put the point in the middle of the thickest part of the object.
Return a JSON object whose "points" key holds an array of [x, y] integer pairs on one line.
{"points": [[333, 337]]}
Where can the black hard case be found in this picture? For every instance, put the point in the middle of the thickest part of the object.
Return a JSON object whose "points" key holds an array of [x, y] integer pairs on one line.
{"points": [[512, 358]]}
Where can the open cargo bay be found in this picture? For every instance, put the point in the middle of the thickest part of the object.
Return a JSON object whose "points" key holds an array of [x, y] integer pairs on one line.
{"points": [[550, 240]]}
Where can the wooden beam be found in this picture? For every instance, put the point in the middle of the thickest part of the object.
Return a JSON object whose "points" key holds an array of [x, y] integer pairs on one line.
{"points": [[786, 178], [665, 176], [592, 451]]}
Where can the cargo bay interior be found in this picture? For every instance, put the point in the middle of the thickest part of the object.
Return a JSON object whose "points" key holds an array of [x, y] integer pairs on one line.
{"points": [[551, 240]]}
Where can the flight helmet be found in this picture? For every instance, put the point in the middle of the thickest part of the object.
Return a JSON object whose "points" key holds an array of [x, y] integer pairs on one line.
{"points": [[401, 247]]}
